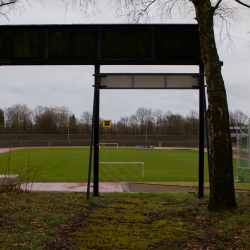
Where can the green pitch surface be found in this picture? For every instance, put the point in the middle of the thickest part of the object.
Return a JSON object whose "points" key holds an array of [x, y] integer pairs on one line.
{"points": [[71, 164]]}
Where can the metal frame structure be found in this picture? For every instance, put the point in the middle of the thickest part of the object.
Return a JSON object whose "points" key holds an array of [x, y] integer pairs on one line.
{"points": [[107, 44], [202, 112]]}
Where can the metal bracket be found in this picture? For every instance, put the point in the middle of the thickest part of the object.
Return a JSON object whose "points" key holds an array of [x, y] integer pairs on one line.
{"points": [[100, 86], [100, 75], [198, 86]]}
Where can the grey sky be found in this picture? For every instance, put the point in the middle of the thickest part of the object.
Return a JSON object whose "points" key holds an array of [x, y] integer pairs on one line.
{"points": [[71, 86]]}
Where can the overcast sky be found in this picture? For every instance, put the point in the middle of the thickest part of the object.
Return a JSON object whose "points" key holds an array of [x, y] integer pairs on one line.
{"points": [[71, 86]]}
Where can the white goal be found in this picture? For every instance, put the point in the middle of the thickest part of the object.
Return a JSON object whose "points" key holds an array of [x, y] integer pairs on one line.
{"points": [[104, 143], [127, 163]]}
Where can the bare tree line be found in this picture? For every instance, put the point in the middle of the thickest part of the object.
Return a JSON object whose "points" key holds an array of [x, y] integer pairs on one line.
{"points": [[20, 119]]}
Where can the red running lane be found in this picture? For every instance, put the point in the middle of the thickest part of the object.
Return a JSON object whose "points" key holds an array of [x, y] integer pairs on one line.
{"points": [[4, 150]]}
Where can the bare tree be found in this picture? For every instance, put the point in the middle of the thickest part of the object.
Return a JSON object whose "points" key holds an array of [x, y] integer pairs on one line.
{"points": [[62, 115], [145, 118], [192, 123], [141, 117], [122, 125], [238, 118], [149, 122], [45, 120], [86, 119], [134, 123], [15, 6], [1, 121], [167, 122], [173, 123], [87, 7], [18, 119], [158, 118], [1, 117]]}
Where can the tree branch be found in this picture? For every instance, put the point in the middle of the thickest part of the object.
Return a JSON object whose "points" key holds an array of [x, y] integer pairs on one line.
{"points": [[10, 2], [217, 5], [146, 7], [244, 4], [214, 8]]}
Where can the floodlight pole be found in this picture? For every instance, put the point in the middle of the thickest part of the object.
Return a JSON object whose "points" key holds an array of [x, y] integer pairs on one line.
{"points": [[201, 134], [68, 130], [96, 132]]}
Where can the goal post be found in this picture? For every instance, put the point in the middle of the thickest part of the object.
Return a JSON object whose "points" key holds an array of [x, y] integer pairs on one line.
{"points": [[127, 163], [104, 143], [243, 155]]}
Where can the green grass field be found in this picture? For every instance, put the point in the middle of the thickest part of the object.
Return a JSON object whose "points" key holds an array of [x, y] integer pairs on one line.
{"points": [[71, 164]]}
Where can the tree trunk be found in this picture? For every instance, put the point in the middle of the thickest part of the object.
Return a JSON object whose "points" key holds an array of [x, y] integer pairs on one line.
{"points": [[222, 195]]}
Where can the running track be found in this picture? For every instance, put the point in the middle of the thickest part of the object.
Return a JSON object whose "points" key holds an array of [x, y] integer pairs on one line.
{"points": [[4, 150]]}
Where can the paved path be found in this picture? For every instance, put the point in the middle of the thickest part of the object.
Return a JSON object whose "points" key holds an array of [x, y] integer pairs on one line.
{"points": [[132, 187], [104, 187]]}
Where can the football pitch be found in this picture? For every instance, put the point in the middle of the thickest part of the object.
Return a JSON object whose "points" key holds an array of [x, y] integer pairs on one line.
{"points": [[71, 164]]}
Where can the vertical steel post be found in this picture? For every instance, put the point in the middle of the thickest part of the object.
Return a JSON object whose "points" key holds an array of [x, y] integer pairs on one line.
{"points": [[96, 133], [91, 145], [201, 134]]}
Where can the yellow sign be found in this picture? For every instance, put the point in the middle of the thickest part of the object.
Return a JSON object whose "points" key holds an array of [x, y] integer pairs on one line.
{"points": [[106, 123]]}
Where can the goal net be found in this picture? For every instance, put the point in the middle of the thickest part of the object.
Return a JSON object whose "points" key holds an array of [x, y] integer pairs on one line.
{"points": [[243, 156], [108, 144], [121, 171]]}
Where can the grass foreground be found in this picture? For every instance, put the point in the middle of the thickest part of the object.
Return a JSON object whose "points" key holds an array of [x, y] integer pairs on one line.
{"points": [[53, 220]]}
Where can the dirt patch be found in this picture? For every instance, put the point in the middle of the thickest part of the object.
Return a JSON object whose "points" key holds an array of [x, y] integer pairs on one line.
{"points": [[133, 187]]}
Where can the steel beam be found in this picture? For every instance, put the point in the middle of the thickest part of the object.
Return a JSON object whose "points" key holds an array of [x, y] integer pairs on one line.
{"points": [[103, 44], [96, 132]]}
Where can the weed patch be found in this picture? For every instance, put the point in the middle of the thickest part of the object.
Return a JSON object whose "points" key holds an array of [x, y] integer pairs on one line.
{"points": [[161, 221], [53, 220]]}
